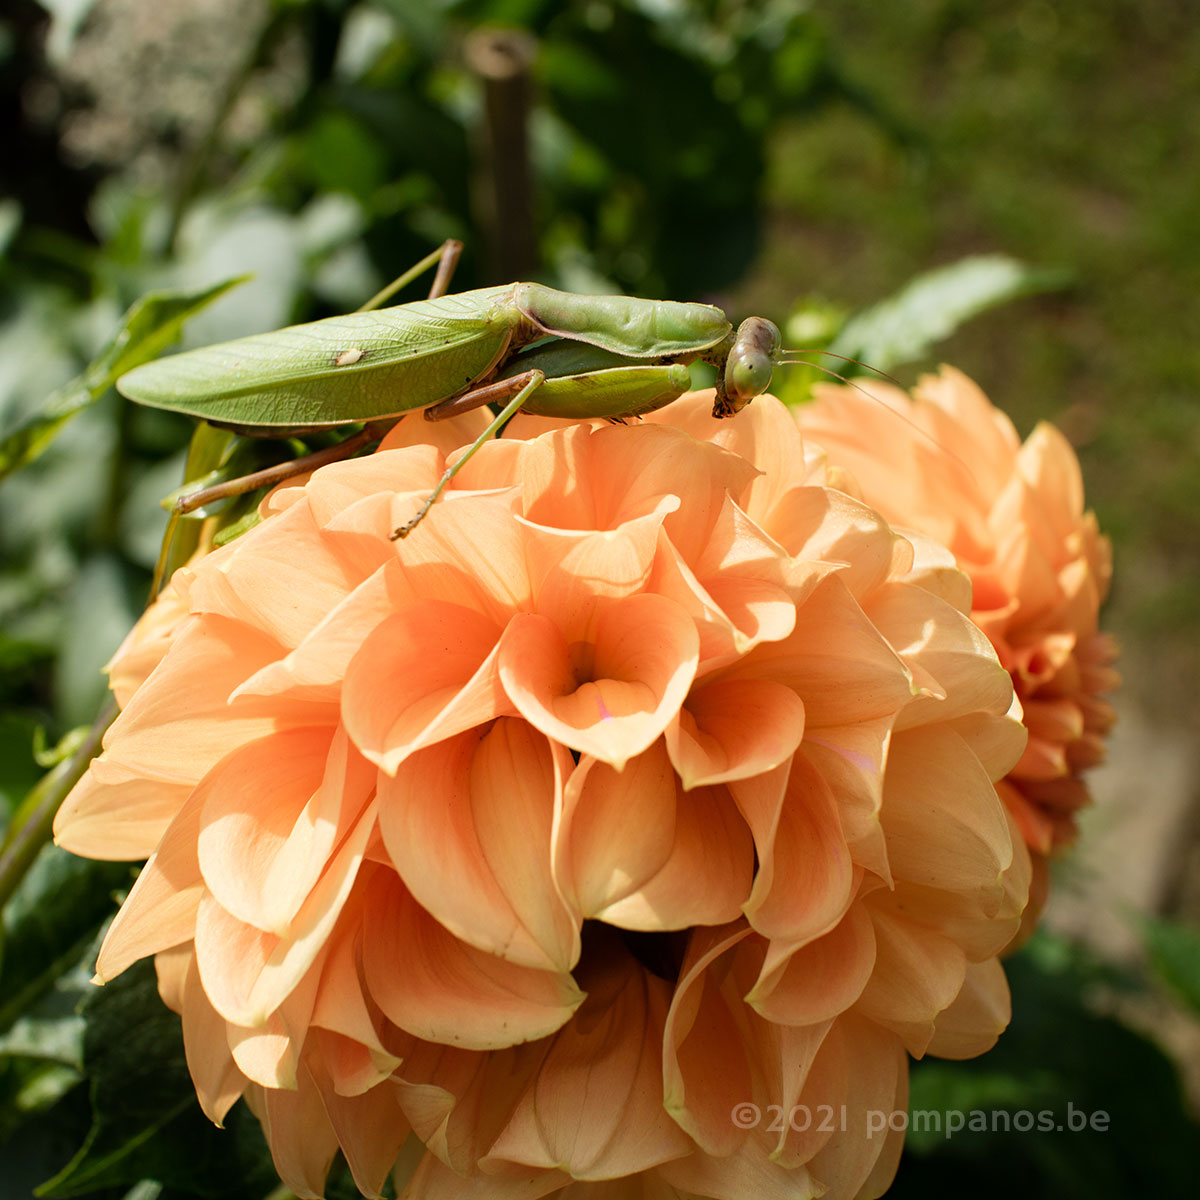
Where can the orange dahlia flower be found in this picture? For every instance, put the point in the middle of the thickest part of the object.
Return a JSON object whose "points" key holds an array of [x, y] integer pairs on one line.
{"points": [[619, 833], [946, 462]]}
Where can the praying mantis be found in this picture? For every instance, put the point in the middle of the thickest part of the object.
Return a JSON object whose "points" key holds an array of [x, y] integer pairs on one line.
{"points": [[523, 345]]}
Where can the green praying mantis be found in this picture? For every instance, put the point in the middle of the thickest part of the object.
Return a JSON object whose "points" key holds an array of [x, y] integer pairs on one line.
{"points": [[522, 345]]}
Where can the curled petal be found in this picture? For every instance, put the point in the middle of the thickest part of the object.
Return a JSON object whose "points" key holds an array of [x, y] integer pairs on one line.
{"points": [[978, 1015], [613, 695], [248, 973], [595, 1108], [442, 990], [487, 800], [733, 728], [424, 674]]}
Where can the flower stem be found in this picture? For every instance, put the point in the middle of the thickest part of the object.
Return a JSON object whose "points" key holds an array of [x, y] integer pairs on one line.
{"points": [[30, 833]]}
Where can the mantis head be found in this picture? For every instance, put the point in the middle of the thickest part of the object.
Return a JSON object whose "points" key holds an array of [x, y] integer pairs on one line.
{"points": [[748, 366]]}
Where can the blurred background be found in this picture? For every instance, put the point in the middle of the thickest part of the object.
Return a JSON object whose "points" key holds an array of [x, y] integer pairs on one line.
{"points": [[1018, 181]]}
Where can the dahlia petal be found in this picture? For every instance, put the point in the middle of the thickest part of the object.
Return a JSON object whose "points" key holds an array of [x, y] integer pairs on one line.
{"points": [[443, 990], [617, 829], [458, 1101], [711, 843], [704, 1058], [248, 973], [116, 813], [851, 759], [486, 799], [984, 435], [733, 728], [318, 665], [978, 1015], [569, 570], [583, 478], [266, 585], [267, 1056], [947, 646], [308, 787], [836, 660], [765, 435], [472, 554], [998, 742], [643, 658], [746, 1172], [342, 1009], [815, 982], [944, 823], [595, 1107], [370, 1130], [805, 878], [936, 570], [1041, 760], [875, 1080], [160, 910], [918, 972], [179, 723], [433, 1180], [821, 525], [218, 1082], [299, 1133], [425, 674], [147, 643], [721, 641]]}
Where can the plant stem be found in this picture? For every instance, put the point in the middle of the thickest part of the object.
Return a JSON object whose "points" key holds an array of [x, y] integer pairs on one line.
{"points": [[44, 801]]}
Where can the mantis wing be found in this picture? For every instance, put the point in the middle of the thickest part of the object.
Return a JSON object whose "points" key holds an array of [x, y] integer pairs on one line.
{"points": [[342, 369]]}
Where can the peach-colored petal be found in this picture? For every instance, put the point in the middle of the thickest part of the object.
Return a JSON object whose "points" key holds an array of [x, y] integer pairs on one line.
{"points": [[248, 973], [617, 829], [610, 696], [370, 1129], [424, 674], [733, 728], [944, 823], [309, 788], [875, 1080], [918, 972], [179, 722], [842, 960], [835, 660], [595, 1109], [265, 585], [114, 812], [805, 878], [486, 799], [978, 1015], [704, 1060], [442, 990], [160, 910], [301, 1138], [214, 1073]]}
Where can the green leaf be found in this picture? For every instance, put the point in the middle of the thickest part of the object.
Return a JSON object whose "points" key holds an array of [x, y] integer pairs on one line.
{"points": [[149, 326], [1174, 951], [146, 1121], [903, 328], [50, 921]]}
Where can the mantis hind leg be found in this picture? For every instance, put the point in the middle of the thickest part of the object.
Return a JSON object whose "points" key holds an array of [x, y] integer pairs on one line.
{"points": [[524, 386]]}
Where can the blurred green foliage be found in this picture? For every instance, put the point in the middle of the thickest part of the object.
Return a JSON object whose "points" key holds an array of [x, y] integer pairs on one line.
{"points": [[802, 160]]}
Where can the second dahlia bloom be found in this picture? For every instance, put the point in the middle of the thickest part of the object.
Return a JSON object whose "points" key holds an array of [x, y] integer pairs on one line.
{"points": [[946, 462], [645, 788]]}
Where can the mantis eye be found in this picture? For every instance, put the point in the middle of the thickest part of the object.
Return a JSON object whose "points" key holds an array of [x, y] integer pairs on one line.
{"points": [[751, 360]]}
